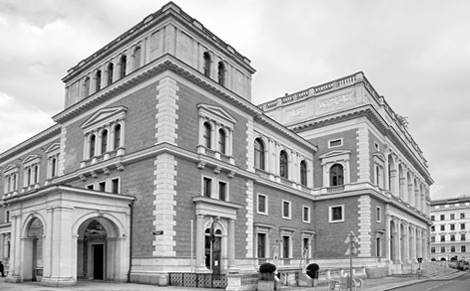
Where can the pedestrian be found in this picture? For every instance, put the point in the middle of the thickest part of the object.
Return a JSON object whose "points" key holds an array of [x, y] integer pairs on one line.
{"points": [[2, 270]]}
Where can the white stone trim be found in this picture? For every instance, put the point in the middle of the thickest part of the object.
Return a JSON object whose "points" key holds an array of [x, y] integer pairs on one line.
{"points": [[167, 107], [249, 218], [365, 230], [164, 205], [363, 157]]}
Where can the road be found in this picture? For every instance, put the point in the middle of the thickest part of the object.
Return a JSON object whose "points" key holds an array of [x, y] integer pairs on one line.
{"points": [[461, 283]]}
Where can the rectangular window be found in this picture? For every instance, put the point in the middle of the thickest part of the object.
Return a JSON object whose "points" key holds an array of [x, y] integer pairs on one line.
{"points": [[305, 247], [335, 143], [443, 217], [433, 228], [432, 217], [306, 214], [443, 238], [262, 204], [379, 214], [463, 249], [443, 227], [452, 237], [433, 250], [223, 191], [452, 216], [443, 249], [336, 213], [462, 215], [206, 187], [462, 237], [261, 245], [462, 226], [115, 186], [285, 246], [286, 207], [102, 186], [452, 249], [452, 227], [433, 238]]}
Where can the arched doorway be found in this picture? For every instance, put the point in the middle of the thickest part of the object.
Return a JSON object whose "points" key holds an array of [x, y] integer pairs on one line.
{"points": [[97, 249], [33, 251], [213, 249]]}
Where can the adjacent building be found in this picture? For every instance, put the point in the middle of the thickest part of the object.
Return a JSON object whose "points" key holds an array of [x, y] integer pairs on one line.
{"points": [[450, 231], [159, 163]]}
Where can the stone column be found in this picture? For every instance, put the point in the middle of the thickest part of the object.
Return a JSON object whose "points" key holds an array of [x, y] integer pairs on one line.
{"points": [[63, 257], [399, 241], [388, 238], [231, 245], [200, 265], [15, 244]]}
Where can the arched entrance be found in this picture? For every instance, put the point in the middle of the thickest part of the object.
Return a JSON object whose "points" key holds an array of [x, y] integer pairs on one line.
{"points": [[33, 251], [213, 249], [97, 247]]}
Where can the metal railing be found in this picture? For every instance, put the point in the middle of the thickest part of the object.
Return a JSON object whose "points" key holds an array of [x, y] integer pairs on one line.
{"points": [[198, 280]]}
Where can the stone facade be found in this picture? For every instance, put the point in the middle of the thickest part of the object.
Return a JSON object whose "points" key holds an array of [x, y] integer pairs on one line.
{"points": [[160, 163]]}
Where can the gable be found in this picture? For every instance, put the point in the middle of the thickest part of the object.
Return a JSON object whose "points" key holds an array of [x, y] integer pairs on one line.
{"points": [[53, 147], [103, 116], [215, 112], [31, 158], [335, 153], [10, 168]]}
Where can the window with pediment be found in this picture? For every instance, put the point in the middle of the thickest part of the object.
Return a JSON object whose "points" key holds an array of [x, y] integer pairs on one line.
{"points": [[379, 164], [10, 179], [52, 155], [335, 168], [216, 127], [31, 166], [103, 134]]}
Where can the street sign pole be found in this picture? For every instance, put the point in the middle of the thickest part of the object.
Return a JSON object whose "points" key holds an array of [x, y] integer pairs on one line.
{"points": [[350, 260]]}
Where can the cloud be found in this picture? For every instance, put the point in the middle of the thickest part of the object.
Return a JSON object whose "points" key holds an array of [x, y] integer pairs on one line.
{"points": [[20, 121]]}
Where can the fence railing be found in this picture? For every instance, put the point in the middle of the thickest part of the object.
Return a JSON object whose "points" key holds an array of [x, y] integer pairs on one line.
{"points": [[198, 280]]}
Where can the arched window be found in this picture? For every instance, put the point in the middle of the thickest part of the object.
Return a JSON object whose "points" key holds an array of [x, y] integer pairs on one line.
{"points": [[207, 64], [303, 173], [259, 154], [110, 73], [336, 175], [283, 162], [36, 174], [137, 57], [122, 63], [222, 143], [117, 136], [98, 80], [221, 73], [207, 135], [92, 145], [104, 141], [86, 87], [53, 167]]}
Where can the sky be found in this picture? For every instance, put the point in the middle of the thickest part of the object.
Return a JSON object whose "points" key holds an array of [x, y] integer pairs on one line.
{"points": [[415, 53]]}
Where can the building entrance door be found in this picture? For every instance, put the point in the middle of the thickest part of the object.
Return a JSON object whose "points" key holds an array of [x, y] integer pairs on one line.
{"points": [[98, 262]]}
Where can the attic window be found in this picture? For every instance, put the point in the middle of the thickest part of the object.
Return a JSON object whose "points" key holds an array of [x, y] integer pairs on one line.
{"points": [[335, 143]]}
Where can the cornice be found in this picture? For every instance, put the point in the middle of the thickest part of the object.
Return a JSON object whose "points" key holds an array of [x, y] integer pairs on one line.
{"points": [[377, 120]]}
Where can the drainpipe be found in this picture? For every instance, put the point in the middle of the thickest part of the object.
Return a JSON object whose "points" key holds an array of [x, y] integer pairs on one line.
{"points": [[131, 205]]}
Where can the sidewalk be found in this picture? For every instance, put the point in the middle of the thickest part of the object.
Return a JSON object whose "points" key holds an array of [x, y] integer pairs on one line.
{"points": [[379, 284]]}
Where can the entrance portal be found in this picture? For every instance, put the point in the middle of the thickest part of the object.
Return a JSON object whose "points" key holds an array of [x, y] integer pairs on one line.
{"points": [[33, 251], [91, 251]]}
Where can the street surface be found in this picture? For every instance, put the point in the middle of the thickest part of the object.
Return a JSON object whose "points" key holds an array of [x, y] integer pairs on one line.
{"points": [[461, 283]]}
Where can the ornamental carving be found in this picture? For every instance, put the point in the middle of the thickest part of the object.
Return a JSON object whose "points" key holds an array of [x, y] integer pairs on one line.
{"points": [[336, 102], [296, 113]]}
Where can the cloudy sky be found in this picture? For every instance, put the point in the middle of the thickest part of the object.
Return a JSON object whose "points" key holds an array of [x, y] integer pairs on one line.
{"points": [[415, 53]]}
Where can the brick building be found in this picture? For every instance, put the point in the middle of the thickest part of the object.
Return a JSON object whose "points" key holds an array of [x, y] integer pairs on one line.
{"points": [[450, 236], [160, 163]]}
